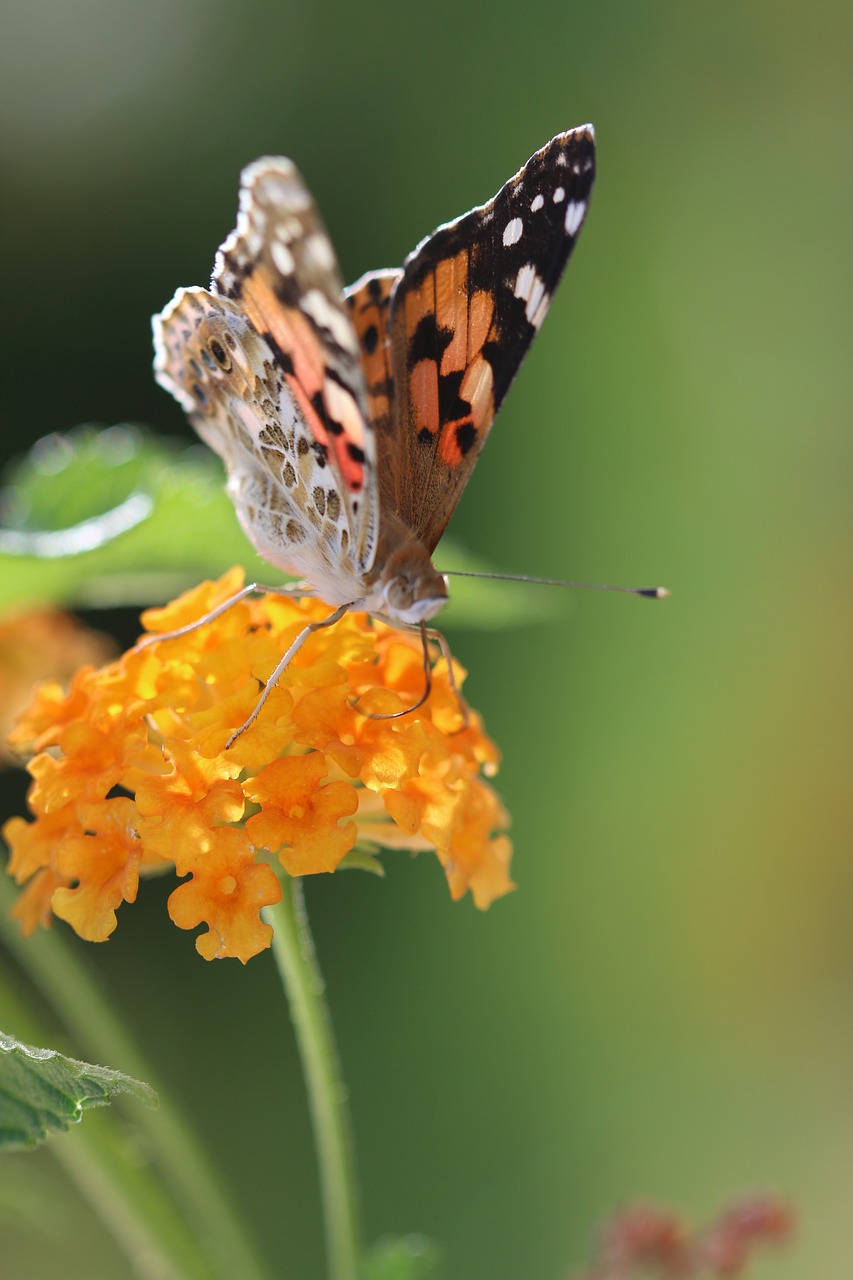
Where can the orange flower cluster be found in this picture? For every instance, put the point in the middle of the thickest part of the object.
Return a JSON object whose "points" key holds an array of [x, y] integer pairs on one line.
{"points": [[131, 771]]}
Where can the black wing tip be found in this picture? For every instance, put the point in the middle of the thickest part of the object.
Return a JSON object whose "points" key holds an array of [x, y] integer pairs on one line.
{"points": [[580, 133], [580, 145]]}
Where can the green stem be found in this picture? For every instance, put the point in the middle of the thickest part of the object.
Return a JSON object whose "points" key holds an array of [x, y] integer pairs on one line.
{"points": [[123, 1192], [296, 958], [133, 1204], [69, 988]]}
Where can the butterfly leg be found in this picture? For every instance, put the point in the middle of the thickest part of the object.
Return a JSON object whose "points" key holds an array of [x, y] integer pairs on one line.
{"points": [[291, 653], [464, 709], [395, 715], [427, 634], [254, 588]]}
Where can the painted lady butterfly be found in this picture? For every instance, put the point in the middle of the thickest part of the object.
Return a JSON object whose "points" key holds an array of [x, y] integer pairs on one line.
{"points": [[350, 420]]}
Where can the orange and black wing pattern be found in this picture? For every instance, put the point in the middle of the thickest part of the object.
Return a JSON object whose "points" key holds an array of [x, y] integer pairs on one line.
{"points": [[279, 267], [460, 319], [369, 300]]}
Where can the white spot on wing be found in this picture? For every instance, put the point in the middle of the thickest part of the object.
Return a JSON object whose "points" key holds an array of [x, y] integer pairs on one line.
{"points": [[344, 410], [319, 252], [537, 203], [575, 210], [316, 305], [512, 232], [530, 287], [282, 188], [287, 411], [559, 195], [282, 257]]}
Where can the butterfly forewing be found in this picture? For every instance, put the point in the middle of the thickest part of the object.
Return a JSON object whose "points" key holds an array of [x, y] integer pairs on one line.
{"points": [[471, 299], [280, 268]]}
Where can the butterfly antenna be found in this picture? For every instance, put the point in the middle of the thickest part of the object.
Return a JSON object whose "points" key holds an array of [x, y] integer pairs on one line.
{"points": [[652, 593]]}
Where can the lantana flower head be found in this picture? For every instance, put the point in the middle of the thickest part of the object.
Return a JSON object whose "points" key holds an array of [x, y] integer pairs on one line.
{"points": [[132, 772]]}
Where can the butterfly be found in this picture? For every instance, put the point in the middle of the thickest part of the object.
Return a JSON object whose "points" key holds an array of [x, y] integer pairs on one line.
{"points": [[350, 420]]}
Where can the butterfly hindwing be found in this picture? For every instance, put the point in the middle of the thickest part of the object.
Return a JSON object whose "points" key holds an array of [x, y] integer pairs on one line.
{"points": [[471, 298], [229, 380]]}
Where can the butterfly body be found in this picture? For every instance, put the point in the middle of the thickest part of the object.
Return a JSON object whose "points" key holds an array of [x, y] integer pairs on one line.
{"points": [[350, 420]]}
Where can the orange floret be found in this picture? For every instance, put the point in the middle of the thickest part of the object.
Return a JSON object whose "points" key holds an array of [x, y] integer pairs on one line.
{"points": [[227, 890], [103, 864], [133, 771], [299, 816]]}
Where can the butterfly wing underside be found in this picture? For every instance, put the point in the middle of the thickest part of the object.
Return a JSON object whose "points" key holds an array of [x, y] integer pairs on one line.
{"points": [[460, 319], [268, 367]]}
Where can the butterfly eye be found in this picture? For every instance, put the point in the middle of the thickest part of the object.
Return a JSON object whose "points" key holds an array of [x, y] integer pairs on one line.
{"points": [[399, 593], [219, 353]]}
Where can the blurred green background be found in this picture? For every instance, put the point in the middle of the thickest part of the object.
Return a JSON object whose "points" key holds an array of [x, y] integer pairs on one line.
{"points": [[665, 1007]]}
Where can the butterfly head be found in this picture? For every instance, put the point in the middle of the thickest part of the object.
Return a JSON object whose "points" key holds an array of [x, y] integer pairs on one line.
{"points": [[410, 589]]}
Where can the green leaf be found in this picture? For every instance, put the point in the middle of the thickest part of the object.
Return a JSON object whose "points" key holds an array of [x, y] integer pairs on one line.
{"points": [[43, 1092], [402, 1258], [98, 518]]}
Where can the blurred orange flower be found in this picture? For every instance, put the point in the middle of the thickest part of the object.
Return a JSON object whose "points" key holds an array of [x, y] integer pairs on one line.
{"points": [[41, 644], [131, 771]]}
